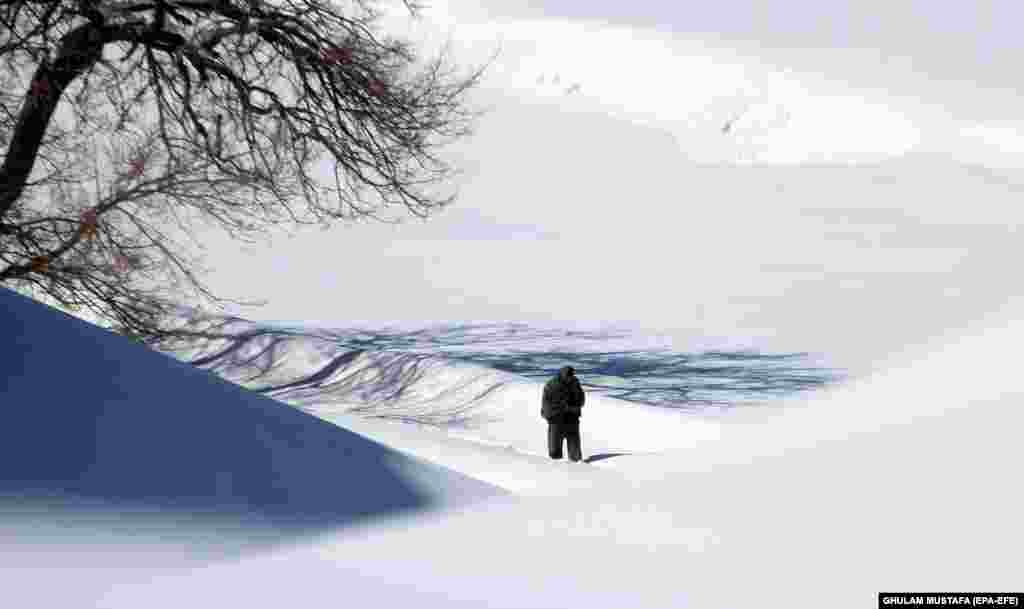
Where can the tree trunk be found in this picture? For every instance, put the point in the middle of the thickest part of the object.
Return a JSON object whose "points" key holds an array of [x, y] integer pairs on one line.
{"points": [[79, 50]]}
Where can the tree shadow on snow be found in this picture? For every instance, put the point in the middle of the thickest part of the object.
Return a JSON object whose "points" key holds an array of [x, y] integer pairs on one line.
{"points": [[383, 373], [319, 371]]}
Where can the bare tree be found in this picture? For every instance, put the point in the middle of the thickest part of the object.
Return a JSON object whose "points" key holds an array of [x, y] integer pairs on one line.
{"points": [[215, 111]]}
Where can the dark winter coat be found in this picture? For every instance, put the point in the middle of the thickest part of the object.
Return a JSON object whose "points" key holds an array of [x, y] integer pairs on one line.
{"points": [[563, 398]]}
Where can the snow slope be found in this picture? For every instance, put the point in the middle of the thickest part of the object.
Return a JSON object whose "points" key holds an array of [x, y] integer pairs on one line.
{"points": [[906, 480], [95, 423]]}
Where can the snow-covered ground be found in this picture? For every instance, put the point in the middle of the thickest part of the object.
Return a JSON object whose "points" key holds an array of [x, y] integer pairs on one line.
{"points": [[713, 193], [131, 479]]}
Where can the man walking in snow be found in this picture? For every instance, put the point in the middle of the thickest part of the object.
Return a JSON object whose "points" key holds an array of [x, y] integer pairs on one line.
{"points": [[562, 406]]}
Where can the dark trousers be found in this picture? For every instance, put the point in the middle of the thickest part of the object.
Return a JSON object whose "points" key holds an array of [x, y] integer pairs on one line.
{"points": [[568, 431]]}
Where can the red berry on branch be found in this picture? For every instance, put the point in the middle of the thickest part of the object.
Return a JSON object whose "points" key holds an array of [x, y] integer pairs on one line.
{"points": [[337, 55], [376, 88], [39, 264], [40, 87], [136, 168]]}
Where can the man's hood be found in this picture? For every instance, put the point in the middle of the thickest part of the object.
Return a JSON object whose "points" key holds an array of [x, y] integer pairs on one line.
{"points": [[565, 373]]}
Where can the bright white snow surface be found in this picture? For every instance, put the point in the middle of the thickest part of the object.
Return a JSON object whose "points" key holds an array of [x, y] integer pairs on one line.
{"points": [[134, 480], [856, 205]]}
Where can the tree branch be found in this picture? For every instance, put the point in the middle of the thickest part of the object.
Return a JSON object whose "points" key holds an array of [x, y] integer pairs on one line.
{"points": [[79, 50]]}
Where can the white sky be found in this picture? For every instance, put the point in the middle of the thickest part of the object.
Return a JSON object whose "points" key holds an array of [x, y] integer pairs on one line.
{"points": [[933, 44], [600, 205]]}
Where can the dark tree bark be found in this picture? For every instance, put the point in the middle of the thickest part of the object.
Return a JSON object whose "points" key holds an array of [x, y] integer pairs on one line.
{"points": [[79, 50]]}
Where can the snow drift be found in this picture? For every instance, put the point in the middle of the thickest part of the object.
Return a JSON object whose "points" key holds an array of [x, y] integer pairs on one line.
{"points": [[96, 426]]}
